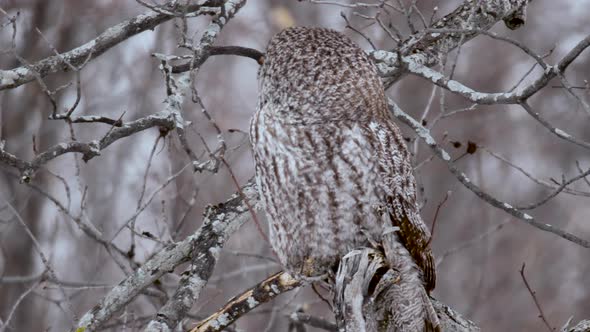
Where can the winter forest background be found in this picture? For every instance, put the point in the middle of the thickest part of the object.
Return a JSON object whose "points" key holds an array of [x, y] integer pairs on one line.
{"points": [[147, 181]]}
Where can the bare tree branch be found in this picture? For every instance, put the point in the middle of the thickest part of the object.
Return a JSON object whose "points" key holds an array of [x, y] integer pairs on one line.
{"points": [[282, 282], [97, 46], [426, 48], [310, 320], [582, 326], [494, 98], [424, 134], [415, 55], [223, 50], [89, 150], [202, 263], [240, 305], [223, 220], [534, 296]]}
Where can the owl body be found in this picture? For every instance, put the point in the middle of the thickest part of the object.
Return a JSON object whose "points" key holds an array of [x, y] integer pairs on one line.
{"points": [[331, 166], [316, 216]]}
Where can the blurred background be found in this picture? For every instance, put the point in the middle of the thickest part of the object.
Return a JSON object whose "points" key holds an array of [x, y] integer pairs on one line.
{"points": [[480, 249]]}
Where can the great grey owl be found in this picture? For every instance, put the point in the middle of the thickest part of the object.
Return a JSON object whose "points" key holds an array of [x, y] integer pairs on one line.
{"points": [[332, 168]]}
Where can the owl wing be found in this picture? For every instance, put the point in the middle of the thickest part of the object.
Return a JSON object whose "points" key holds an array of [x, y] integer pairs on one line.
{"points": [[399, 188], [416, 238]]}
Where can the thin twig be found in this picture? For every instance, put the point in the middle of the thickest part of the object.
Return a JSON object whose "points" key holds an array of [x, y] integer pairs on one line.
{"points": [[533, 295], [447, 195]]}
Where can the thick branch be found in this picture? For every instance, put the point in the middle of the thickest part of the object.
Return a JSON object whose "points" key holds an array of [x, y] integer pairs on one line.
{"points": [[89, 119], [363, 295], [582, 326], [263, 292], [424, 134], [204, 261], [97, 46], [223, 50], [427, 48], [224, 220], [310, 320], [90, 149], [282, 282], [515, 97]]}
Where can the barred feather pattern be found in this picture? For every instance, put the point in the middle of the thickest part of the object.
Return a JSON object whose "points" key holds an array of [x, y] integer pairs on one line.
{"points": [[333, 170]]}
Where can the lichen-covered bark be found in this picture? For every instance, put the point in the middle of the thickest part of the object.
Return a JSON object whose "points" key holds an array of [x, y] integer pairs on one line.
{"points": [[247, 301], [91, 50], [426, 48], [223, 220], [363, 290]]}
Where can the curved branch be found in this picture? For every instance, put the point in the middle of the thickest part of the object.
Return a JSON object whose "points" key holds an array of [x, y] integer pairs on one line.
{"points": [[202, 263], [89, 150], [222, 221], [240, 305], [282, 282], [91, 50], [247, 52], [582, 326], [426, 48], [424, 134], [516, 97]]}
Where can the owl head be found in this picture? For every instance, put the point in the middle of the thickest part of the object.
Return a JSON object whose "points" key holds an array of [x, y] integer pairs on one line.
{"points": [[314, 75]]}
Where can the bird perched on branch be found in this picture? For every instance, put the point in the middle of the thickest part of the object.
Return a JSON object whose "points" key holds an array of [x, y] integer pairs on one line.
{"points": [[332, 167]]}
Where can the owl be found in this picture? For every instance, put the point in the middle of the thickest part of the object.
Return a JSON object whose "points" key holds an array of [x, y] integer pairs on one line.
{"points": [[333, 170]]}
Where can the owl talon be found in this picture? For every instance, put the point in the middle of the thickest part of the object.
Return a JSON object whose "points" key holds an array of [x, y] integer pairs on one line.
{"points": [[351, 254], [389, 230], [372, 242]]}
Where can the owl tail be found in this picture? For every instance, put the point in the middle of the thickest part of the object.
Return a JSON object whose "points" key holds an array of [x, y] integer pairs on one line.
{"points": [[410, 306]]}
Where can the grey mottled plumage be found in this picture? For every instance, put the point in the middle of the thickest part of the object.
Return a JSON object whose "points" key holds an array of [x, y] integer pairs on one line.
{"points": [[332, 168]]}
